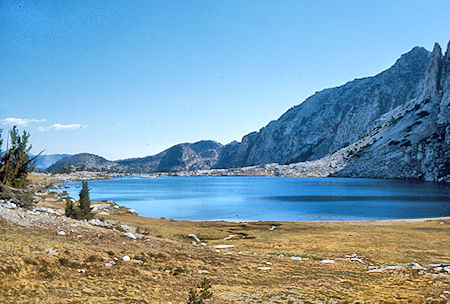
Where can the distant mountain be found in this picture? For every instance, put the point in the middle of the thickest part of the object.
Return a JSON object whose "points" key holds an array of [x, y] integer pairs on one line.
{"points": [[45, 161], [332, 118], [88, 161], [186, 156]]}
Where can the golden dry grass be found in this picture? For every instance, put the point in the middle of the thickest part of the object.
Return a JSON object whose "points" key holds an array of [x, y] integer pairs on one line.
{"points": [[165, 265]]}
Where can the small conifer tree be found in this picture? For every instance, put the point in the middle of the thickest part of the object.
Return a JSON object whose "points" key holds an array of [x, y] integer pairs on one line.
{"points": [[70, 209], [85, 203], [16, 163]]}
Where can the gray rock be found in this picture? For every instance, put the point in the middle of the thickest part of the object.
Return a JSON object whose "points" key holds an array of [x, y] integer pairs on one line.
{"points": [[332, 118], [412, 140]]}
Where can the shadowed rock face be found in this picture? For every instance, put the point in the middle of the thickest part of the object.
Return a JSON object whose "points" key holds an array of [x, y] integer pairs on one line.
{"points": [[332, 118], [413, 140]]}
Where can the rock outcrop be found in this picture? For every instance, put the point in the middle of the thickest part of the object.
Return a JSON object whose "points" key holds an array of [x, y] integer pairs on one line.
{"points": [[413, 140]]}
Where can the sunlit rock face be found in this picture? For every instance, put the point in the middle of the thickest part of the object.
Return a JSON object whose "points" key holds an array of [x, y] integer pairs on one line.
{"points": [[413, 140], [332, 118]]}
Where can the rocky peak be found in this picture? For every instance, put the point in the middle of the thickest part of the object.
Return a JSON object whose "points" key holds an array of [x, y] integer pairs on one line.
{"points": [[417, 57], [433, 73], [412, 141]]}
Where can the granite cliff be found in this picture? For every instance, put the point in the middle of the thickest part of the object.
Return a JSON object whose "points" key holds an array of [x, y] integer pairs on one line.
{"points": [[332, 118], [413, 140]]}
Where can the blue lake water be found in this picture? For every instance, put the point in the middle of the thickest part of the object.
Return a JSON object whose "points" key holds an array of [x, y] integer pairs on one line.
{"points": [[273, 198]]}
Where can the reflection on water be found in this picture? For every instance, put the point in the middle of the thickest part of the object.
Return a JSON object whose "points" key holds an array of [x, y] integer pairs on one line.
{"points": [[273, 198]]}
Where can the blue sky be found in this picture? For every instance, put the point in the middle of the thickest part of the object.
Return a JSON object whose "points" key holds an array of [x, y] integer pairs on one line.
{"points": [[131, 78]]}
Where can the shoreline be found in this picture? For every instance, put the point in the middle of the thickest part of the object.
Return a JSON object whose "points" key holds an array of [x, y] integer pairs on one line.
{"points": [[406, 220], [98, 175], [123, 257], [61, 183]]}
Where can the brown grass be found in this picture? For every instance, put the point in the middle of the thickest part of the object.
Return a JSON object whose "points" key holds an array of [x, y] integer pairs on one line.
{"points": [[165, 265]]}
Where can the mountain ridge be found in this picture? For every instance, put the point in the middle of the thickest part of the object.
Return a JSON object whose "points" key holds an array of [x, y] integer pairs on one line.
{"points": [[333, 126], [185, 156]]}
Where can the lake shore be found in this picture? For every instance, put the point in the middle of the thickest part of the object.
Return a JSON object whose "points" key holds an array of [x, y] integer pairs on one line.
{"points": [[48, 257]]}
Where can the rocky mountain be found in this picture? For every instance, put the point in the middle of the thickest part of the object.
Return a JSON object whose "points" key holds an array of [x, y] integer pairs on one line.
{"points": [[186, 156], [392, 125], [45, 161], [88, 161], [413, 140], [332, 118]]}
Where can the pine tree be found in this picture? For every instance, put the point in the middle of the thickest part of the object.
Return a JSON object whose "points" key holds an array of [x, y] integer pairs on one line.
{"points": [[16, 163], [85, 203], [70, 209]]}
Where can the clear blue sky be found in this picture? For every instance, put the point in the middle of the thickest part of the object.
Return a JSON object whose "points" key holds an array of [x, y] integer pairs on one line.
{"points": [[131, 78]]}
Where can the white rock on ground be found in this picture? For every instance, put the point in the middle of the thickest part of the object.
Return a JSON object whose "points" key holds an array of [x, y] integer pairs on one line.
{"points": [[126, 258], [223, 246], [376, 270], [296, 258], [8, 205], [415, 266], [129, 235], [61, 233], [326, 262], [263, 268], [51, 251], [193, 236], [393, 267]]}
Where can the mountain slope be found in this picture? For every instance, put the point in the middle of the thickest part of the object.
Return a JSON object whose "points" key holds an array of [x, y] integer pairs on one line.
{"points": [[186, 156], [88, 161], [45, 161], [413, 140], [332, 118]]}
